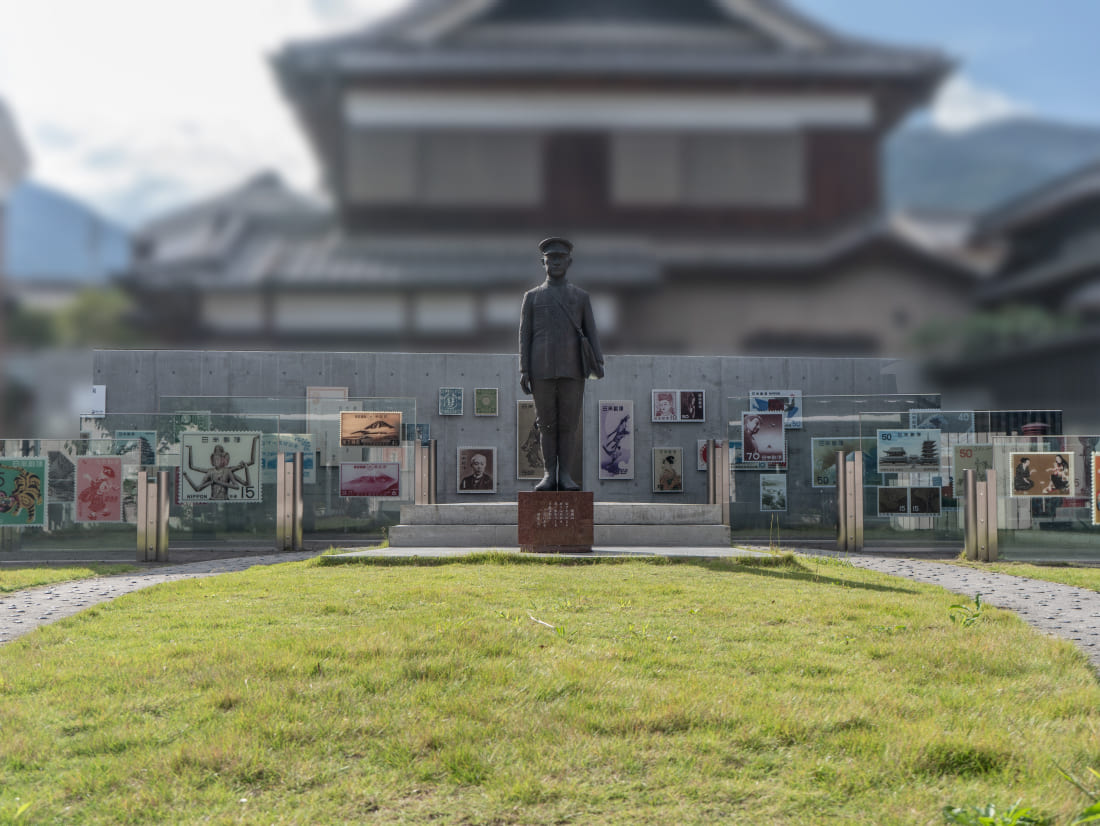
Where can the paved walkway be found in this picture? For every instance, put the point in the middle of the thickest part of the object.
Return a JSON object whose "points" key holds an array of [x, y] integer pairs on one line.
{"points": [[23, 611], [1060, 610]]}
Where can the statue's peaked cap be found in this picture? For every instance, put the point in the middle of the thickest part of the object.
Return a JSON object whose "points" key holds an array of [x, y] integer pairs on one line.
{"points": [[555, 244]]}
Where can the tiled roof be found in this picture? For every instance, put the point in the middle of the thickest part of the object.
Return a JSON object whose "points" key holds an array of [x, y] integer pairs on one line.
{"points": [[610, 37], [1077, 260]]}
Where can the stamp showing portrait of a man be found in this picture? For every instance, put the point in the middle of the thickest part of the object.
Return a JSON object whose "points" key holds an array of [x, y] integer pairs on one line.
{"points": [[477, 470]]}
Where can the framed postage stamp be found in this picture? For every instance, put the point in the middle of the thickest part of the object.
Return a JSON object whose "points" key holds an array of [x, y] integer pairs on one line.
{"points": [[219, 467], [370, 428], [908, 451], [529, 464], [477, 470], [668, 470], [701, 457], [666, 405], [485, 401], [893, 501], [616, 439], [762, 437], [450, 401], [98, 489], [23, 492], [370, 479], [693, 406], [773, 492], [787, 402], [1044, 473]]}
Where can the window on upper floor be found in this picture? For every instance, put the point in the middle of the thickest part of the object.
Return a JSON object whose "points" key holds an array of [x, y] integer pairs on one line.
{"points": [[714, 169], [455, 168]]}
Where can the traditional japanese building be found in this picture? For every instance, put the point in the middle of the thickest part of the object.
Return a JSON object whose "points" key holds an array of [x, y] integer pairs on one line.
{"points": [[715, 161]]}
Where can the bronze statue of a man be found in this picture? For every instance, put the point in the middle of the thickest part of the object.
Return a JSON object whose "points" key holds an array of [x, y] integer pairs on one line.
{"points": [[554, 317]]}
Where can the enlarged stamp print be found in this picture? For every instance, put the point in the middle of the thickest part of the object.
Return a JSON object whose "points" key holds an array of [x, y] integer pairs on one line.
{"points": [[668, 470], [893, 501], [288, 443], [1041, 473], [908, 451], [141, 442], [219, 467], [477, 470], [666, 407], [762, 437], [61, 477], [98, 489], [823, 453], [23, 492], [529, 464], [420, 432], [617, 439], [773, 492], [925, 501], [486, 401], [978, 458], [945, 421], [693, 406], [450, 401], [370, 428], [789, 402], [370, 479]]}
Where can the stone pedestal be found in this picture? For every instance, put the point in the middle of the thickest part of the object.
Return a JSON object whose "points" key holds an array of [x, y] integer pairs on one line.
{"points": [[555, 521]]}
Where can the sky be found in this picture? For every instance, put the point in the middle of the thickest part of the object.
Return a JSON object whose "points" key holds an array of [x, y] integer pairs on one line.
{"points": [[137, 107]]}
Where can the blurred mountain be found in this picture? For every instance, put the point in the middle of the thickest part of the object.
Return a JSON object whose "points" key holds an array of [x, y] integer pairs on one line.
{"points": [[972, 171], [50, 236]]}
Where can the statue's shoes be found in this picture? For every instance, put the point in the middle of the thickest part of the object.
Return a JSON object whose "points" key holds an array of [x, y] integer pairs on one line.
{"points": [[546, 483], [565, 482]]}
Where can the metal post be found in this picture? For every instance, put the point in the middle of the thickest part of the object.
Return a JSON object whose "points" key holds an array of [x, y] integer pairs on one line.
{"points": [[855, 494], [420, 474], [970, 515], [841, 502], [991, 504]]}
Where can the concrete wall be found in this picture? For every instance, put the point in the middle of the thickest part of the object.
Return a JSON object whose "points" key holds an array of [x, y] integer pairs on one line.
{"points": [[136, 379]]}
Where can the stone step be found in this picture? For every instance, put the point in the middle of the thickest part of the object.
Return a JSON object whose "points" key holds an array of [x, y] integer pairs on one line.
{"points": [[605, 513], [506, 536]]}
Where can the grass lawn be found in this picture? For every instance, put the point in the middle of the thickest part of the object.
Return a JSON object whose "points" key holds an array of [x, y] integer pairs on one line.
{"points": [[507, 690], [16, 579]]}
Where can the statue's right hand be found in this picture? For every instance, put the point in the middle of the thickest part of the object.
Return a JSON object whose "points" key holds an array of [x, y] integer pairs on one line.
{"points": [[525, 383]]}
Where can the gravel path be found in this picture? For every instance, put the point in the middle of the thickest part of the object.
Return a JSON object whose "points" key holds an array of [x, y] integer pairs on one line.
{"points": [[1060, 610]]}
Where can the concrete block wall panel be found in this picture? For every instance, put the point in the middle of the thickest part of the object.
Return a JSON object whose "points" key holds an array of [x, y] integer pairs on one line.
{"points": [[136, 379]]}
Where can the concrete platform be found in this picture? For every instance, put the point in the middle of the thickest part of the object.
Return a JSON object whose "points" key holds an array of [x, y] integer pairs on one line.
{"points": [[628, 524]]}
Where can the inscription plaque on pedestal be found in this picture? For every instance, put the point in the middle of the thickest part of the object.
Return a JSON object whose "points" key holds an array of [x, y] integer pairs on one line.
{"points": [[555, 521]]}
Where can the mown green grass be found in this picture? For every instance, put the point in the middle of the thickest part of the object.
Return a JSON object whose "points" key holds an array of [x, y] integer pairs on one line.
{"points": [[493, 692], [16, 579], [1080, 577]]}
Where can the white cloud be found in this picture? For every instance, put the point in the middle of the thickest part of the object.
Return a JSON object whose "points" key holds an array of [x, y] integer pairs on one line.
{"points": [[135, 106], [962, 104]]}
